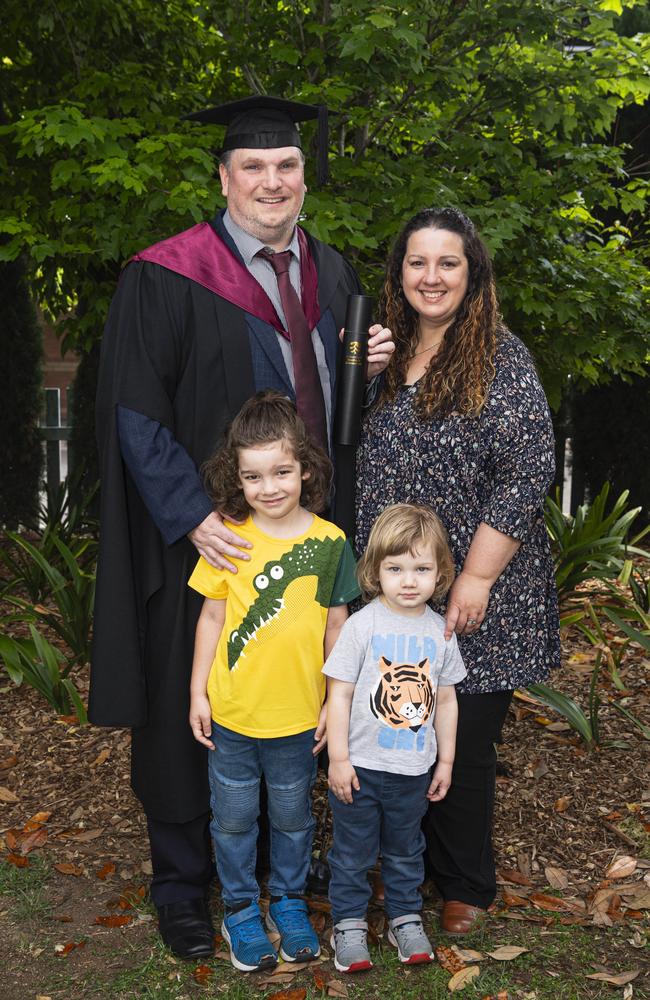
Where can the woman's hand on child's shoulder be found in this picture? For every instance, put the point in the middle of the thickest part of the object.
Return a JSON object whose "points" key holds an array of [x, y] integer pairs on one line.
{"points": [[342, 779], [440, 782], [201, 720]]}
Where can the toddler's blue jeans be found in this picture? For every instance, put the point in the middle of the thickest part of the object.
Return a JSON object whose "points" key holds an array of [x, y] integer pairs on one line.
{"points": [[235, 768], [384, 818]]}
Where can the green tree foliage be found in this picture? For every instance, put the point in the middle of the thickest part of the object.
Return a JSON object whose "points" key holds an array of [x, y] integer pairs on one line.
{"points": [[506, 109], [21, 450]]}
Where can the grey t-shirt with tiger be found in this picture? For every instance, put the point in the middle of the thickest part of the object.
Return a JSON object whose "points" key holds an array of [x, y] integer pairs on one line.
{"points": [[396, 663]]}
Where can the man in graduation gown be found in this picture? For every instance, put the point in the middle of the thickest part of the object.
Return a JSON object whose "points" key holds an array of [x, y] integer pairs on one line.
{"points": [[198, 324]]}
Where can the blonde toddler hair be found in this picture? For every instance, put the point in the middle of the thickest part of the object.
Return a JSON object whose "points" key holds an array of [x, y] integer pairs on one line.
{"points": [[400, 528]]}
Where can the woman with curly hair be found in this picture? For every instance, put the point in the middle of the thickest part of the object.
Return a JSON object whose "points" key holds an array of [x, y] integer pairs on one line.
{"points": [[462, 425]]}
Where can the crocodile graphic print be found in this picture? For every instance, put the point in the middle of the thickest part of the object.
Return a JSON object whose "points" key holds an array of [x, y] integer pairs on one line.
{"points": [[314, 558]]}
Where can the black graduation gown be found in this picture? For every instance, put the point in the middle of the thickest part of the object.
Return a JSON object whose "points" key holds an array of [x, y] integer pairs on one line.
{"points": [[178, 353]]}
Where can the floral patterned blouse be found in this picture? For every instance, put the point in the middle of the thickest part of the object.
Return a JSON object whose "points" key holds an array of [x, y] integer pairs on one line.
{"points": [[495, 468]]}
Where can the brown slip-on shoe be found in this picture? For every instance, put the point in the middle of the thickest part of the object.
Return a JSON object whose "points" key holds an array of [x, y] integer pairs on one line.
{"points": [[460, 918]]}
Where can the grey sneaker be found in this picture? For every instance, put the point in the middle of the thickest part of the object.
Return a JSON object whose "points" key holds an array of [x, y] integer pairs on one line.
{"points": [[349, 941], [407, 934]]}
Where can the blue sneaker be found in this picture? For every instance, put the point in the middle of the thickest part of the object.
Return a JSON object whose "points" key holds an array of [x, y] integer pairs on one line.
{"points": [[298, 939], [250, 949]]}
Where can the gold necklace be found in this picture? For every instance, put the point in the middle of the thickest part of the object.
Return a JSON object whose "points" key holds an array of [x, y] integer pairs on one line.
{"points": [[416, 354]]}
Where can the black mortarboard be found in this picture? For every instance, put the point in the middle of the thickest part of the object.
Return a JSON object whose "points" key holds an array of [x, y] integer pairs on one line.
{"points": [[262, 122]]}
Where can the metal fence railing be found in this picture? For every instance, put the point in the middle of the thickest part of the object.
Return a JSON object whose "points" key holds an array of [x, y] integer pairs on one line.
{"points": [[56, 435]]}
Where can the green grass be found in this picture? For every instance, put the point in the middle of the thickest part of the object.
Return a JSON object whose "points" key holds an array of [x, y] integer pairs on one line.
{"points": [[553, 969], [134, 965], [28, 888], [634, 828]]}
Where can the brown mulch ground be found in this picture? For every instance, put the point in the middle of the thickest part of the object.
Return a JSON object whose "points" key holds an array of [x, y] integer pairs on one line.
{"points": [[564, 815]]}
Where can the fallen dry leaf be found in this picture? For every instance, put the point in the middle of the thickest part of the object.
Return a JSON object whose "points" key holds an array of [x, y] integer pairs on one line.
{"points": [[36, 821], [450, 960], [105, 871], [64, 949], [8, 763], [554, 903], [298, 994], [68, 869], [615, 978], [640, 900], [621, 867], [68, 720], [101, 757], [223, 956], [84, 835], [320, 979], [460, 980], [202, 974], [637, 940], [557, 878], [468, 955], [114, 920], [17, 860], [273, 980], [513, 899], [6, 795], [507, 953], [562, 804], [574, 920], [132, 896], [29, 841], [335, 988], [515, 876]]}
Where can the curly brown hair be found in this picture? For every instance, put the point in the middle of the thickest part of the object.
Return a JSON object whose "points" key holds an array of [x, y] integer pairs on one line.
{"points": [[459, 375], [401, 528], [264, 418]]}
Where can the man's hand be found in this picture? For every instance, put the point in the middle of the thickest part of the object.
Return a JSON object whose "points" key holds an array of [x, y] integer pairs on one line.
{"points": [[342, 778], [381, 348], [320, 736], [440, 782], [201, 720], [214, 541]]}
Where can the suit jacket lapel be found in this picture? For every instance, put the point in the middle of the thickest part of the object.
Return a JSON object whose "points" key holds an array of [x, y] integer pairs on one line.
{"points": [[263, 334]]}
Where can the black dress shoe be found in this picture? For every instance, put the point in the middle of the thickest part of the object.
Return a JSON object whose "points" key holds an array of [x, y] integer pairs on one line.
{"points": [[186, 928]]}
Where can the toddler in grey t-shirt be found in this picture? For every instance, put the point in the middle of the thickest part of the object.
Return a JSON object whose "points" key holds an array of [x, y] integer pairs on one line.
{"points": [[396, 663], [391, 715]]}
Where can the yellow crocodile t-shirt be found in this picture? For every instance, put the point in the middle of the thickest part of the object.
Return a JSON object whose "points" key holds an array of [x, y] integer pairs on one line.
{"points": [[266, 679]]}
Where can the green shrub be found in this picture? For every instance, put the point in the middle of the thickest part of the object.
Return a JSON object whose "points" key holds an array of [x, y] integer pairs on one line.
{"points": [[592, 545], [71, 592], [38, 663]]}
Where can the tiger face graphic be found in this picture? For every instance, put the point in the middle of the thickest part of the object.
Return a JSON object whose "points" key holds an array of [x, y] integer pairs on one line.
{"points": [[403, 697]]}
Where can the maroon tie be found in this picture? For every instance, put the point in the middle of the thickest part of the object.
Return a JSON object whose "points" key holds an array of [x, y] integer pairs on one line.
{"points": [[309, 391]]}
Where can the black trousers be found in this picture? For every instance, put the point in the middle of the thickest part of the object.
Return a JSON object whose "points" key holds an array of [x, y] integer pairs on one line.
{"points": [[458, 830], [181, 860]]}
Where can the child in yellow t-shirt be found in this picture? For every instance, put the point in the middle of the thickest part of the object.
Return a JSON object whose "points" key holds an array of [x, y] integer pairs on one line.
{"points": [[257, 688]]}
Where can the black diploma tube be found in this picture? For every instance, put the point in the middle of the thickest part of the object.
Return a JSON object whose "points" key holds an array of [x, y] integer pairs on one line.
{"points": [[352, 384]]}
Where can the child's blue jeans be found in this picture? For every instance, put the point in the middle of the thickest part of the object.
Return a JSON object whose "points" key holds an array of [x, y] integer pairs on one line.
{"points": [[235, 768], [384, 818]]}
